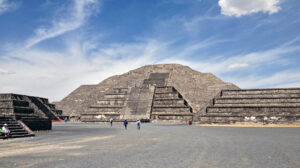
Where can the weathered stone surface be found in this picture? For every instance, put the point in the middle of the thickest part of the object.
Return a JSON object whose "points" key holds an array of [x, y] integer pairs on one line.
{"points": [[197, 89], [255, 106], [21, 112]]}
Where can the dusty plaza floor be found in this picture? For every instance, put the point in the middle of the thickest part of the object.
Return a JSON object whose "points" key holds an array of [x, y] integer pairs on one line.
{"points": [[155, 145]]}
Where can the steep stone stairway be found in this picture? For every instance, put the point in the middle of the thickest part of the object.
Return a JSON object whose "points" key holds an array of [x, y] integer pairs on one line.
{"points": [[111, 106], [16, 129], [255, 106], [43, 107], [22, 115], [168, 104]]}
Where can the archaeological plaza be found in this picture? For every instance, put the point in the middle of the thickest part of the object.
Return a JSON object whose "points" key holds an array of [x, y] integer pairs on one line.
{"points": [[188, 119]]}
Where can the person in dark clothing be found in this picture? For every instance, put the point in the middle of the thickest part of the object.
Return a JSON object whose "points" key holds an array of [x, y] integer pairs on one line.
{"points": [[138, 124], [111, 122], [125, 123]]}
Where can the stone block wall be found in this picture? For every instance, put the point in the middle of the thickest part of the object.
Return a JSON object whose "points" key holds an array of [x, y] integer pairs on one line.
{"points": [[35, 112], [266, 106]]}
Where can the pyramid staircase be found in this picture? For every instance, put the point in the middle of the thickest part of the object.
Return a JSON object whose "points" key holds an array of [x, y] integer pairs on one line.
{"points": [[25, 114], [43, 106], [168, 104], [264, 106], [111, 106], [17, 129]]}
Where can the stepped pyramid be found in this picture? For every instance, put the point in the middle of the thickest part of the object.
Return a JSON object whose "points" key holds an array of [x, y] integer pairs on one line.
{"points": [[264, 106], [24, 114], [172, 92], [159, 92]]}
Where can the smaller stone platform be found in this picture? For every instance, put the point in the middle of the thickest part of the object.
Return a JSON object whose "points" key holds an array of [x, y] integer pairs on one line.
{"points": [[266, 106], [25, 114]]}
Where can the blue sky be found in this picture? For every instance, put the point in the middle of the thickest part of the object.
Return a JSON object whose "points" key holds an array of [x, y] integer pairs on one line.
{"points": [[48, 48]]}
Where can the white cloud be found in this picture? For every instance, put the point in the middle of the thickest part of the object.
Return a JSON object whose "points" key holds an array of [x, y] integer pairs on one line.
{"points": [[79, 11], [245, 7], [55, 75], [238, 65], [6, 72], [287, 78], [221, 65], [6, 6]]}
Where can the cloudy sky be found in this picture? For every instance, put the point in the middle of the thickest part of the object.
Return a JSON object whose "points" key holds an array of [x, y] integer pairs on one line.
{"points": [[48, 48]]}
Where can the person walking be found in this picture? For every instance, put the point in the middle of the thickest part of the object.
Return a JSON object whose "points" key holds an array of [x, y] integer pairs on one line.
{"points": [[111, 122], [138, 124], [125, 124]]}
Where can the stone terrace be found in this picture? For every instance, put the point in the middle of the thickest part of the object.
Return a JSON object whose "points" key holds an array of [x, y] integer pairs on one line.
{"points": [[255, 106], [25, 114]]}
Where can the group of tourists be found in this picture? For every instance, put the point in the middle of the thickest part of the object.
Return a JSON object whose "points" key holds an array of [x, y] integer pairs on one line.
{"points": [[5, 131], [125, 123]]}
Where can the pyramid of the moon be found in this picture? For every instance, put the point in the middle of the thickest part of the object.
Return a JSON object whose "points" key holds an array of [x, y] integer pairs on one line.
{"points": [[172, 92], [159, 92]]}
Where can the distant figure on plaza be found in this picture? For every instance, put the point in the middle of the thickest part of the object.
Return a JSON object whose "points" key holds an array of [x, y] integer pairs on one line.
{"points": [[125, 123], [138, 124], [111, 122], [5, 130]]}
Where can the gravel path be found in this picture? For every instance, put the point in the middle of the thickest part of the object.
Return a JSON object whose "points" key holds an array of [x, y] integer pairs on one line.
{"points": [[79, 145]]}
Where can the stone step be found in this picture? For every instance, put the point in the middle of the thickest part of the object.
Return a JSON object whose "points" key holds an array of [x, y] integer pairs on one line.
{"points": [[24, 110], [14, 131], [102, 106], [241, 114], [257, 105], [170, 106], [100, 113], [166, 96], [6, 111], [169, 102], [12, 103], [251, 109], [104, 110], [279, 95], [164, 89], [9, 123], [262, 91], [114, 96], [170, 109], [239, 119], [257, 100], [111, 102], [120, 89], [172, 113]]}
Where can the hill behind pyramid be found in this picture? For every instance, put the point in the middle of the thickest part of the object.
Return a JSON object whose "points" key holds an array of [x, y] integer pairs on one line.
{"points": [[151, 89]]}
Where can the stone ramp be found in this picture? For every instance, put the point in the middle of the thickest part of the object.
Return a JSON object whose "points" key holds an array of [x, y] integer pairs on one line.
{"points": [[255, 106]]}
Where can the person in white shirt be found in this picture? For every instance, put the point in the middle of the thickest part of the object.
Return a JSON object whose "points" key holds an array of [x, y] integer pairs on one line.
{"points": [[5, 130]]}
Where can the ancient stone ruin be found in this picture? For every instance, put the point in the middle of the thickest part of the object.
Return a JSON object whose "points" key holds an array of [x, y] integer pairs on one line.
{"points": [[254, 106], [172, 92], [24, 114]]}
